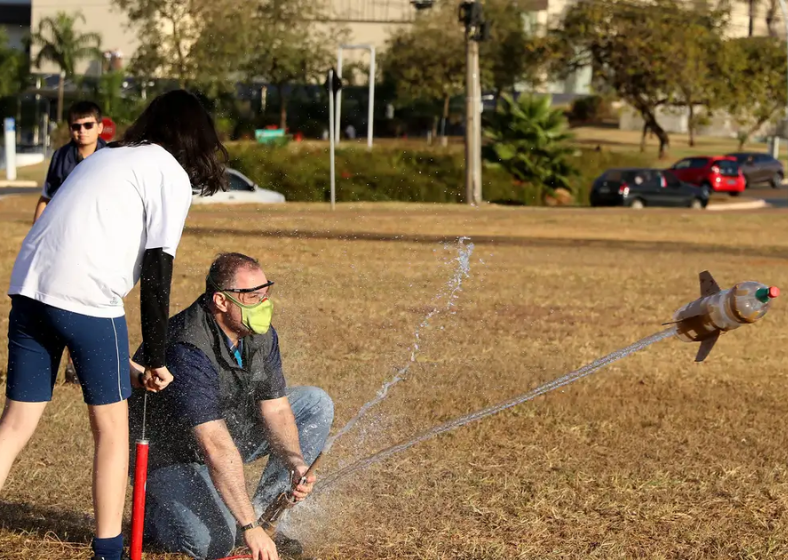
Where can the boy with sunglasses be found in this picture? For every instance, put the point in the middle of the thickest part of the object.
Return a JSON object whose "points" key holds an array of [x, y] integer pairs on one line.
{"points": [[84, 121]]}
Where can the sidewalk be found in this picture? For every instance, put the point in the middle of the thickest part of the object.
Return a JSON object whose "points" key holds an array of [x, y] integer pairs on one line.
{"points": [[738, 203], [18, 184]]}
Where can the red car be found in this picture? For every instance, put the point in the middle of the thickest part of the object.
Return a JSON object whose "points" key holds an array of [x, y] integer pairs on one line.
{"points": [[718, 173]]}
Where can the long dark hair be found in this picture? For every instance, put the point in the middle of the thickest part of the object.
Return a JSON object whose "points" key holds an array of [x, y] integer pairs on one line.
{"points": [[178, 122]]}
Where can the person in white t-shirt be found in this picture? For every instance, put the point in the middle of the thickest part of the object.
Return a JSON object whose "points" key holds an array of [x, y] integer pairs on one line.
{"points": [[117, 218]]}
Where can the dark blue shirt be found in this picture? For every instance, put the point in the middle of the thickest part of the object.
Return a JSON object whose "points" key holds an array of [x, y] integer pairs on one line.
{"points": [[64, 160], [194, 398]]}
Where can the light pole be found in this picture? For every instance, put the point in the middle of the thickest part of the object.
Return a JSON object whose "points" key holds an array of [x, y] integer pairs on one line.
{"points": [[371, 109], [476, 30], [784, 131]]}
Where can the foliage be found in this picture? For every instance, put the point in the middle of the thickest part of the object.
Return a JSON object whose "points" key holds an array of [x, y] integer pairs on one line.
{"points": [[590, 109], [529, 139], [287, 45], [515, 54], [301, 173], [634, 49], [698, 80], [60, 43], [14, 68], [753, 70], [165, 31], [426, 62]]}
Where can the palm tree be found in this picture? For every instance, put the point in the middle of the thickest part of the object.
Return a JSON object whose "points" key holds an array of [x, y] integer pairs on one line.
{"points": [[530, 139], [63, 45]]}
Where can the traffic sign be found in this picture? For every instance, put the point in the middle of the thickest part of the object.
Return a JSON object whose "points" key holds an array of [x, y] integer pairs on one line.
{"points": [[109, 129]]}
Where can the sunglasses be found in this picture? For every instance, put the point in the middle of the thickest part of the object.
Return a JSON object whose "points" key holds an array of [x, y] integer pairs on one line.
{"points": [[86, 125]]}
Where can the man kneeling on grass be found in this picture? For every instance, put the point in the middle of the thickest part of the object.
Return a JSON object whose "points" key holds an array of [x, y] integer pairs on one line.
{"points": [[228, 405]]}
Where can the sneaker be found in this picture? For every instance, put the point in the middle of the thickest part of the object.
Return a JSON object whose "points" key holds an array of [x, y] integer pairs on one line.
{"points": [[71, 373], [287, 546]]}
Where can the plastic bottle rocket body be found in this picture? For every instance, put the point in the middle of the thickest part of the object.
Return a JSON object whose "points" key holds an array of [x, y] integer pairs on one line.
{"points": [[719, 311]]}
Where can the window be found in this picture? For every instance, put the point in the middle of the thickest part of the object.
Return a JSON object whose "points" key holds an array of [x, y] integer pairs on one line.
{"points": [[238, 184], [683, 164], [763, 158], [727, 167], [670, 179], [697, 163]]}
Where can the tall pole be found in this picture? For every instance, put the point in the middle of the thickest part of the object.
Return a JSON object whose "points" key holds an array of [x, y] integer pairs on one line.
{"points": [[338, 134], [477, 128], [331, 133], [371, 110], [471, 52], [475, 31], [784, 10]]}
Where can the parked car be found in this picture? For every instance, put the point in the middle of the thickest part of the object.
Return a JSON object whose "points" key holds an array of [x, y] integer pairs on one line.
{"points": [[639, 187], [759, 168], [716, 173], [242, 190]]}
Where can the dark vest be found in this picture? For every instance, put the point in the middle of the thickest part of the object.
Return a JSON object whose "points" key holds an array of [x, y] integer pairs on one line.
{"points": [[241, 388], [197, 327]]}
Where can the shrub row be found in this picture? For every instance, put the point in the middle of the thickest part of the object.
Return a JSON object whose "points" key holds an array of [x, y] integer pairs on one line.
{"points": [[301, 173]]}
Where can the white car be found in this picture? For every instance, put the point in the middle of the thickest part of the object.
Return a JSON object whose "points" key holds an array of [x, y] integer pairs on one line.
{"points": [[242, 190]]}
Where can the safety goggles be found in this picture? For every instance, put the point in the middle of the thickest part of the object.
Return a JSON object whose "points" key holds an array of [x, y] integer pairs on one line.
{"points": [[251, 296]]}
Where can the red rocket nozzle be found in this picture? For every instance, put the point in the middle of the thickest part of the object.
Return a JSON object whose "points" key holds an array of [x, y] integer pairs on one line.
{"points": [[774, 292]]}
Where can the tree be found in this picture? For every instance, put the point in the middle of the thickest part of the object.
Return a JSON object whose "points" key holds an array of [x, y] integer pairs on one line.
{"points": [[62, 44], [14, 68], [753, 70], [199, 43], [290, 43], [632, 48], [529, 139], [426, 62], [166, 30], [696, 71], [514, 54]]}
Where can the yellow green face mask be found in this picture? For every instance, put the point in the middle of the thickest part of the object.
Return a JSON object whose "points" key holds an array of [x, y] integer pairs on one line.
{"points": [[255, 317]]}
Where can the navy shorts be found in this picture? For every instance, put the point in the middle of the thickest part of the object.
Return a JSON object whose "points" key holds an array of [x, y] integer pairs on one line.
{"points": [[37, 335]]}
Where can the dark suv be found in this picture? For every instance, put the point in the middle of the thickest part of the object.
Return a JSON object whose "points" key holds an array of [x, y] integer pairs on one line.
{"points": [[639, 187], [760, 169]]}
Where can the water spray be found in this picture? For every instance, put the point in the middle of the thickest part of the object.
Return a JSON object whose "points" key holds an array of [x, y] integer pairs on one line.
{"points": [[140, 483], [455, 285], [584, 371]]}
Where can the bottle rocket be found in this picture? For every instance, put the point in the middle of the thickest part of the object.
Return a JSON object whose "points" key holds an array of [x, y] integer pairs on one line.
{"points": [[718, 311]]}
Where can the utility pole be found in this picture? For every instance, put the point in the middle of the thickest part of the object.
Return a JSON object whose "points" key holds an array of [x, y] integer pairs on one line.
{"points": [[784, 131], [476, 30]]}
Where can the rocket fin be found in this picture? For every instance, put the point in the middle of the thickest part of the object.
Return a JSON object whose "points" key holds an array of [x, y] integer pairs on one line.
{"points": [[708, 286], [706, 346]]}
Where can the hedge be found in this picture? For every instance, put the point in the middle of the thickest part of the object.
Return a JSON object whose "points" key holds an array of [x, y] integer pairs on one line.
{"points": [[301, 173]]}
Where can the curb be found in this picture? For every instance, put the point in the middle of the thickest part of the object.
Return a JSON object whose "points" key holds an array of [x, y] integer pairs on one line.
{"points": [[19, 184], [750, 205]]}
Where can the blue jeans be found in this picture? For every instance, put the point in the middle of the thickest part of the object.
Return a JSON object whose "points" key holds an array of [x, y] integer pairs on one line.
{"points": [[184, 511]]}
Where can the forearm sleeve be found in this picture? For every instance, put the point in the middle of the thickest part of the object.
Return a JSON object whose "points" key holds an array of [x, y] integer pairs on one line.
{"points": [[155, 281]]}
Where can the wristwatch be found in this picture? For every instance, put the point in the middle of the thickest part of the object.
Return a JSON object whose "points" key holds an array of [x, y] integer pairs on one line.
{"points": [[248, 526]]}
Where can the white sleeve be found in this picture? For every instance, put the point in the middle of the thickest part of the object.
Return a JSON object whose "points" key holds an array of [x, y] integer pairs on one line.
{"points": [[166, 209]]}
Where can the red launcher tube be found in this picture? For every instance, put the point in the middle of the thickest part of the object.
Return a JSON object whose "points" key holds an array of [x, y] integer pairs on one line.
{"points": [[138, 504]]}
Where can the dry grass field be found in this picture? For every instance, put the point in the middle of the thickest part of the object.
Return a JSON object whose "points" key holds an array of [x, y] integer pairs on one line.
{"points": [[654, 457]]}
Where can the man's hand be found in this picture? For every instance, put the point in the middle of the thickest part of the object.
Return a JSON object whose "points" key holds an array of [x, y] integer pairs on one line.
{"points": [[260, 544], [301, 491], [156, 379], [153, 380]]}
